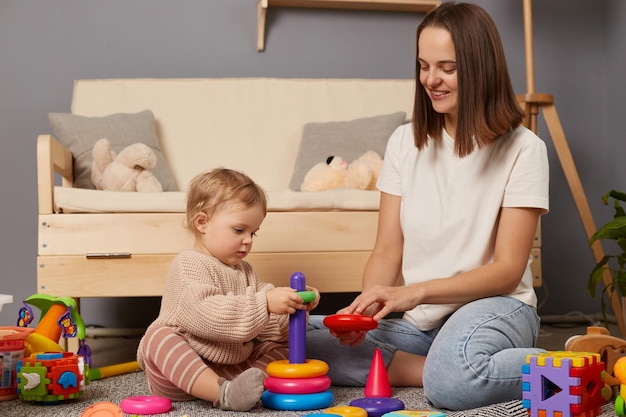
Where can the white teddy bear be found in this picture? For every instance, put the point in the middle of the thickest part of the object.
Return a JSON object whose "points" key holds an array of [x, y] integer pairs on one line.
{"points": [[362, 173], [127, 171]]}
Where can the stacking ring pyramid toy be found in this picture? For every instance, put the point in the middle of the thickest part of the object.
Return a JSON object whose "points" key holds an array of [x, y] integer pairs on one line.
{"points": [[378, 400], [297, 383]]}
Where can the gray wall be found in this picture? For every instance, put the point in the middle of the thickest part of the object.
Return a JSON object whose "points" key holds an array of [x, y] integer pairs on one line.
{"points": [[45, 45]]}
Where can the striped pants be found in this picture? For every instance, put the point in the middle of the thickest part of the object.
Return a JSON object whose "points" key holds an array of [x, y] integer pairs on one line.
{"points": [[172, 366]]}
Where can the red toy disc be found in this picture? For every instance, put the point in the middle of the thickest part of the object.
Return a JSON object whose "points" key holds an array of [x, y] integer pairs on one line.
{"points": [[297, 385], [349, 322]]}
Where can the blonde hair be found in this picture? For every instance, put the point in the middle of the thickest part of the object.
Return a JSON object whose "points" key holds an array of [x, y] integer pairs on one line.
{"points": [[207, 191]]}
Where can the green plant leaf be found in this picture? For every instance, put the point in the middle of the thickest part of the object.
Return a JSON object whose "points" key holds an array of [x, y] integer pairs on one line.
{"points": [[618, 195], [613, 230], [596, 276]]}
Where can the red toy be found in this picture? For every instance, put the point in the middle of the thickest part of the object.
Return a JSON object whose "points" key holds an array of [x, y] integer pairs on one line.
{"points": [[349, 322], [377, 385], [51, 377]]}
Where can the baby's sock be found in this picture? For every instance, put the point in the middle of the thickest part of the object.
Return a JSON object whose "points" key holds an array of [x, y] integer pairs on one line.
{"points": [[241, 393]]}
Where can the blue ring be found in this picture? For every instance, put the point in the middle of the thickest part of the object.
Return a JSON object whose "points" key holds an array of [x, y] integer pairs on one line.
{"points": [[295, 402], [376, 407]]}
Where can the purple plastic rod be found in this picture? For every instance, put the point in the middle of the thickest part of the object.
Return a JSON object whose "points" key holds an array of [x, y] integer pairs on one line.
{"points": [[297, 324]]}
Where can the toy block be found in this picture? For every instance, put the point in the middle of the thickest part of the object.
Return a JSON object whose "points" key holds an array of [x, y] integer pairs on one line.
{"points": [[563, 384]]}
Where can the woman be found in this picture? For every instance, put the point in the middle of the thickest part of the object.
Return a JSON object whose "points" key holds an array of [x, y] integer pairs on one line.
{"points": [[462, 189]]}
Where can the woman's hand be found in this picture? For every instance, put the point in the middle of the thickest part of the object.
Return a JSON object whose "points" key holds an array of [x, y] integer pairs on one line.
{"points": [[380, 300], [351, 338]]}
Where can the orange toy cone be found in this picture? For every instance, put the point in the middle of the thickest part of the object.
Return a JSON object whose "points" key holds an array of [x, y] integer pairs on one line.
{"points": [[378, 385]]}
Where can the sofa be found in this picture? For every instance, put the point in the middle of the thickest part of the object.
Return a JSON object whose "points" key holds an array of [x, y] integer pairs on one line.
{"points": [[94, 243]]}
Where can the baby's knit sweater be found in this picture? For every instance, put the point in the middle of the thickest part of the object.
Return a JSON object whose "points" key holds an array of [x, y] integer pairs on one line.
{"points": [[222, 310]]}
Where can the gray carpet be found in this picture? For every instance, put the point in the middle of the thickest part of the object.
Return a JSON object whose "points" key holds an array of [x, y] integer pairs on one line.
{"points": [[115, 389]]}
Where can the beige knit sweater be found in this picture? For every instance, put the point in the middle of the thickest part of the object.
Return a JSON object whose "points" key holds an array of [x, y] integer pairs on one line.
{"points": [[222, 310]]}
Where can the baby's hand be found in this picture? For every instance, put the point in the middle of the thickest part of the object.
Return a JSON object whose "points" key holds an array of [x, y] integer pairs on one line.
{"points": [[310, 306], [284, 300]]}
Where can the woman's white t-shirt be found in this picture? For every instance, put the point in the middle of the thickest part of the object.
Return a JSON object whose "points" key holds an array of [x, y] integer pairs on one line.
{"points": [[450, 205]]}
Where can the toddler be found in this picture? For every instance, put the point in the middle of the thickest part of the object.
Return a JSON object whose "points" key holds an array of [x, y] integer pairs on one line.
{"points": [[219, 325]]}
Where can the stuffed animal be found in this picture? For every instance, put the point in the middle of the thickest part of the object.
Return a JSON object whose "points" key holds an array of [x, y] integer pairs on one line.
{"points": [[362, 173], [326, 175], [127, 171]]}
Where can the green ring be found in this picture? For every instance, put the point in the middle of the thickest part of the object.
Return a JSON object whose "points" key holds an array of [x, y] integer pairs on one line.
{"points": [[619, 406], [307, 296]]}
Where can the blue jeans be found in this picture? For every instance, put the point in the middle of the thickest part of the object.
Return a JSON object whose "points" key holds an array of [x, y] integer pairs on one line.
{"points": [[474, 359]]}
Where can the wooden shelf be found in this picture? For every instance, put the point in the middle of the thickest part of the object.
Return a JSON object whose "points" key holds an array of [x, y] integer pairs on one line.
{"points": [[413, 6]]}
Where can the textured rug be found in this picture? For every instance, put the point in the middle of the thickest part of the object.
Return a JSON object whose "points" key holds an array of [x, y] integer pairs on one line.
{"points": [[115, 389]]}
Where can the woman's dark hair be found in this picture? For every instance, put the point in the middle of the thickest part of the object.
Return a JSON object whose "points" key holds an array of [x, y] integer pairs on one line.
{"points": [[487, 107]]}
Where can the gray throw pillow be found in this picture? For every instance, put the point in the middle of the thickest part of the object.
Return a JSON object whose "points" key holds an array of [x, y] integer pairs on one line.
{"points": [[79, 133], [347, 139]]}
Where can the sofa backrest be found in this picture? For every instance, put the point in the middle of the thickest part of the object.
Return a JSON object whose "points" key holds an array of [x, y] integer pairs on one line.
{"points": [[250, 124]]}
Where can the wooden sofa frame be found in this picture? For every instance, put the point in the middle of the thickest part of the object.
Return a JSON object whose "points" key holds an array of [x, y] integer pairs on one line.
{"points": [[127, 254]]}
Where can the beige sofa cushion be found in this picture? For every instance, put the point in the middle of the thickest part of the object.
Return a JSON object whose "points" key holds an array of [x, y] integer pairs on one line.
{"points": [[80, 200]]}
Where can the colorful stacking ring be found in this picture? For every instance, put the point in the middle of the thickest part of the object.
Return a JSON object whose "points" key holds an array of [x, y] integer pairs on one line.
{"points": [[347, 411], [307, 296], [102, 409], [297, 385], [414, 413], [297, 401], [320, 415], [349, 322], [376, 407], [146, 404], [310, 369]]}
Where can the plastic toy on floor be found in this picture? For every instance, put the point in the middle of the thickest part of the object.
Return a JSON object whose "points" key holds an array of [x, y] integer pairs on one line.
{"points": [[297, 383], [599, 340], [47, 373], [378, 400], [11, 353], [619, 370], [566, 384], [415, 413], [59, 318], [51, 377]]}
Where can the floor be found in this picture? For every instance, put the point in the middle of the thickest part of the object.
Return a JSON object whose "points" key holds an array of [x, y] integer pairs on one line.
{"points": [[109, 350]]}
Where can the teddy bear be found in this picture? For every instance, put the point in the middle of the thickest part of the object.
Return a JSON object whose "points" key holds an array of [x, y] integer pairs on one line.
{"points": [[129, 170], [335, 172], [363, 172]]}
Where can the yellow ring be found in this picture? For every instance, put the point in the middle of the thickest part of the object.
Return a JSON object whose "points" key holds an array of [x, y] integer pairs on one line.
{"points": [[310, 369], [347, 411]]}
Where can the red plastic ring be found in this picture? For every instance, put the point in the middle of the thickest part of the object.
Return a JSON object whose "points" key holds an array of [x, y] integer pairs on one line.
{"points": [[146, 404], [297, 385], [349, 322]]}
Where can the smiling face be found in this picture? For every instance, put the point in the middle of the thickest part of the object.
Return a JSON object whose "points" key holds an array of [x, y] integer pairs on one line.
{"points": [[438, 73], [228, 233]]}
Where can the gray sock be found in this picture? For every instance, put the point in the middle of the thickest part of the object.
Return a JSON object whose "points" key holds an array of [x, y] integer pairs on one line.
{"points": [[241, 393]]}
